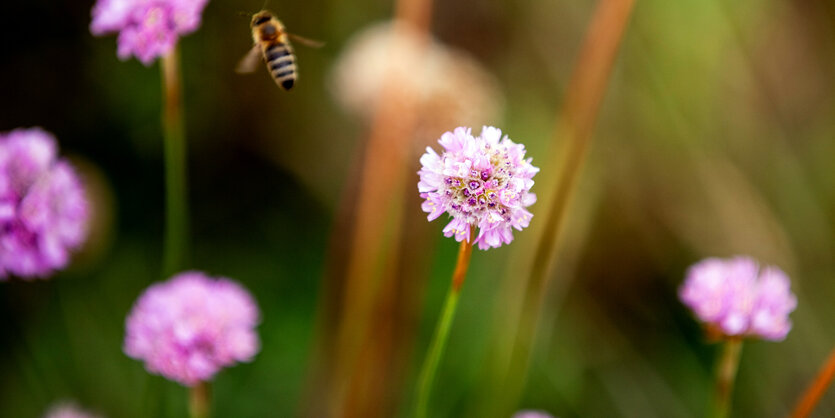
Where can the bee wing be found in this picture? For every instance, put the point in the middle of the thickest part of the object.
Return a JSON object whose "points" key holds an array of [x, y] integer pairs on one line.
{"points": [[249, 61], [305, 41]]}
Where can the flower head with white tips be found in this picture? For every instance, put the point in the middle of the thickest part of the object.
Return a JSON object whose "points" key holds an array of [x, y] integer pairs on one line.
{"points": [[482, 182]]}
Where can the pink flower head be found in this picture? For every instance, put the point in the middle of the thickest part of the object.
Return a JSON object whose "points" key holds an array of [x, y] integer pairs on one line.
{"points": [[43, 208], [532, 414], [191, 326], [738, 298], [482, 182], [68, 410], [148, 29]]}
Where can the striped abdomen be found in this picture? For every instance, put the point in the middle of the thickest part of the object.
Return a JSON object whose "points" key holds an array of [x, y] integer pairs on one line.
{"points": [[281, 63]]}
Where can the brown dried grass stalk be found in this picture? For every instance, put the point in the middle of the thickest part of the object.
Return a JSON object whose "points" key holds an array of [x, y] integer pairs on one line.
{"points": [[579, 113], [361, 338]]}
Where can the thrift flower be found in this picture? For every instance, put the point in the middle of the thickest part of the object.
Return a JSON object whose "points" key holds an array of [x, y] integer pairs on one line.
{"points": [[385, 50], [68, 410], [737, 298], [191, 326], [147, 29], [532, 414], [482, 182], [43, 208]]}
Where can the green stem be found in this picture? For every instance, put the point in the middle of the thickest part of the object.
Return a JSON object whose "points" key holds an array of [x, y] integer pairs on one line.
{"points": [[430, 365], [438, 344], [199, 400], [176, 223], [725, 376]]}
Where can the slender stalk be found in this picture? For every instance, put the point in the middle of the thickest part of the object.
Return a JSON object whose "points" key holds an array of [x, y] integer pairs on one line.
{"points": [[725, 376], [199, 400], [377, 226], [579, 114], [176, 223], [816, 390], [438, 344]]}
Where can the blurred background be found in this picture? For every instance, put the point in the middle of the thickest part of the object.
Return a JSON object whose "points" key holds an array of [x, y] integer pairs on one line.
{"points": [[716, 137]]}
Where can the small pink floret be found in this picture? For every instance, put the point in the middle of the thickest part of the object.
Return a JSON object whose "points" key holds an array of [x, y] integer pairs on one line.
{"points": [[68, 410], [740, 299], [148, 29], [43, 208], [482, 182], [532, 414], [191, 326]]}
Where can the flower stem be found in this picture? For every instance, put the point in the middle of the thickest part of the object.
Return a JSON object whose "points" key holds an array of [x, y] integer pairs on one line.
{"points": [[725, 376], [199, 400], [438, 344], [813, 394], [176, 223]]}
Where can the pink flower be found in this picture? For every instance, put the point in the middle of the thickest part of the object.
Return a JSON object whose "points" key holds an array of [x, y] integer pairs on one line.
{"points": [[148, 29], [43, 208], [191, 326], [532, 414], [68, 410], [737, 298], [482, 182]]}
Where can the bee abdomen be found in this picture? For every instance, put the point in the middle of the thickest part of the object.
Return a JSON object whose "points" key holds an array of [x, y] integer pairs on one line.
{"points": [[282, 64]]}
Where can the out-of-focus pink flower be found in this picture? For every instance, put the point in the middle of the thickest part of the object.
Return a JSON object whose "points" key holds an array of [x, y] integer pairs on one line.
{"points": [[68, 410], [532, 414], [388, 51], [482, 182], [147, 29], [43, 208], [191, 326], [737, 298]]}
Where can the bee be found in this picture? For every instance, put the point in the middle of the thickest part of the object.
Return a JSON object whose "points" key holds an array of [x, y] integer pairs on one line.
{"points": [[272, 43]]}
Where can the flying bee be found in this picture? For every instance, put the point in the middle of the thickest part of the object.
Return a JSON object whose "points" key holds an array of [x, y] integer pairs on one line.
{"points": [[272, 42]]}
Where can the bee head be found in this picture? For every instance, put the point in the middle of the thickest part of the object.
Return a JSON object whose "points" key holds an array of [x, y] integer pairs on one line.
{"points": [[260, 18]]}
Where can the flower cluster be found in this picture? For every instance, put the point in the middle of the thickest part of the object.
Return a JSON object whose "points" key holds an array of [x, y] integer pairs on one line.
{"points": [[189, 327], [148, 29], [482, 182], [43, 208], [68, 410], [532, 414], [736, 298], [384, 51]]}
